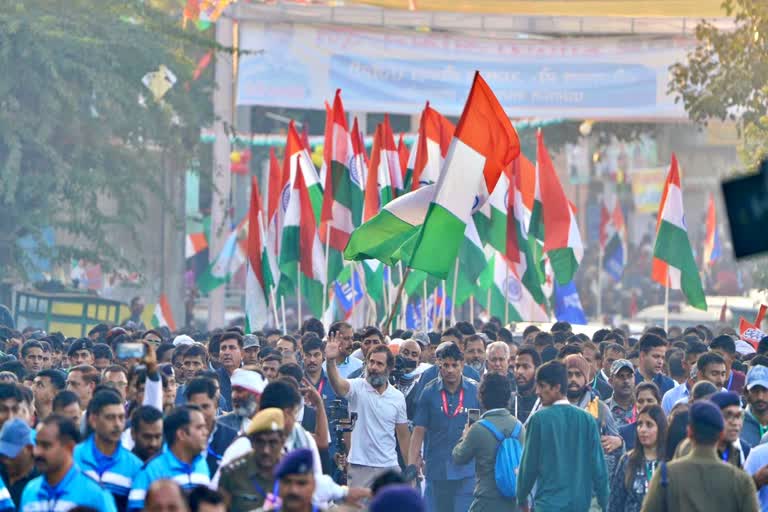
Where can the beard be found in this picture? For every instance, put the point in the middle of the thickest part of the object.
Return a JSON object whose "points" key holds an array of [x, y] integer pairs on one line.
{"points": [[377, 380], [527, 387], [573, 394], [246, 410], [477, 366]]}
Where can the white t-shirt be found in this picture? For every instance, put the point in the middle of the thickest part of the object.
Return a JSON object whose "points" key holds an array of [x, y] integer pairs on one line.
{"points": [[373, 439]]}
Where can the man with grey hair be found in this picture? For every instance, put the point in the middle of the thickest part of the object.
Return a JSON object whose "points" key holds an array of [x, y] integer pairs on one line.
{"points": [[497, 361]]}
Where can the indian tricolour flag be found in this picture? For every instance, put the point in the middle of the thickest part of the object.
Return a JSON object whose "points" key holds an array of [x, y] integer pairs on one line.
{"points": [[562, 240], [507, 288], [483, 145], [395, 224], [673, 262], [343, 201], [258, 279], [278, 188], [389, 152], [302, 260], [228, 261], [472, 262], [163, 316], [298, 160], [491, 218], [522, 249], [378, 184], [429, 150]]}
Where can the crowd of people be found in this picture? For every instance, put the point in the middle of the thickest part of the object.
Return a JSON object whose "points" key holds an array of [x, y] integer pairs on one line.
{"points": [[468, 418]]}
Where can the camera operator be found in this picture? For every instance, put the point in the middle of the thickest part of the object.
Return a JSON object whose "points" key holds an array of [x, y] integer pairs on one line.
{"points": [[381, 414]]}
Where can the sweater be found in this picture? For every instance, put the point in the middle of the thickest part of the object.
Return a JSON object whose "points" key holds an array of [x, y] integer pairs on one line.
{"points": [[481, 445], [564, 458]]}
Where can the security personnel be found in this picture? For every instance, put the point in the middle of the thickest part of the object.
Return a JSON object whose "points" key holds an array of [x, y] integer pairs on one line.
{"points": [[247, 481], [102, 456], [441, 415], [295, 479], [61, 485], [700, 481], [186, 434]]}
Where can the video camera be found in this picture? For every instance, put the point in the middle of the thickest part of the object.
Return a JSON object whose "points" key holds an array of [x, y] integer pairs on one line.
{"points": [[402, 368], [343, 422]]}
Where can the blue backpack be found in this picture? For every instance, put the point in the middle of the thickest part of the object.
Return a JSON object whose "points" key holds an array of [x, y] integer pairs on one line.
{"points": [[508, 455]]}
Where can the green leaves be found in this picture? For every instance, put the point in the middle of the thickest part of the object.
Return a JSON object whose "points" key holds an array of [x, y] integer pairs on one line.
{"points": [[77, 151]]}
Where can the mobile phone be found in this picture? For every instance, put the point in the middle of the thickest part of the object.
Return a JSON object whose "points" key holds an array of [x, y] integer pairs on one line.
{"points": [[473, 415], [131, 351]]}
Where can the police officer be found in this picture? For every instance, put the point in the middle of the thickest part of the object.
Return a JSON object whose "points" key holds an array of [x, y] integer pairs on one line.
{"points": [[247, 481], [295, 483], [700, 481]]}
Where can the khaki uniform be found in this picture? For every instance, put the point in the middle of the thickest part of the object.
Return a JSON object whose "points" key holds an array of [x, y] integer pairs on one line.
{"points": [[701, 482], [242, 481]]}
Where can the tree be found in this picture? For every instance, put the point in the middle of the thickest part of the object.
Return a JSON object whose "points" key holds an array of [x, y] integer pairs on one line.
{"points": [[79, 151], [726, 75]]}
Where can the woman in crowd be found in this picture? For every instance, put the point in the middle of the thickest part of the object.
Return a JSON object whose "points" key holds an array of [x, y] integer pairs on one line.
{"points": [[633, 473]]}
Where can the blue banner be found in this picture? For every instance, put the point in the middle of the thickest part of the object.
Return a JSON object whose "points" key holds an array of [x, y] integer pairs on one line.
{"points": [[396, 71]]}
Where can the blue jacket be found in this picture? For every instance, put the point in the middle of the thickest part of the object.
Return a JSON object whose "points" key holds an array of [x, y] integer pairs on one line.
{"points": [[166, 465], [115, 473], [443, 430], [6, 503], [76, 488]]}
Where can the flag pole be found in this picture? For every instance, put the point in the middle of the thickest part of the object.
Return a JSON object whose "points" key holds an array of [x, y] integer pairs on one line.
{"points": [[285, 325], [444, 306], [472, 309], [424, 306], [600, 283], [405, 296], [327, 266], [397, 301], [298, 292], [488, 303], [385, 288], [358, 267], [453, 295], [274, 307], [666, 302], [506, 294]]}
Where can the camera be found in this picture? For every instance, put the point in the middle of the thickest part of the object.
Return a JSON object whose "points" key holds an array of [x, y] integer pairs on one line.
{"points": [[344, 422], [402, 368]]}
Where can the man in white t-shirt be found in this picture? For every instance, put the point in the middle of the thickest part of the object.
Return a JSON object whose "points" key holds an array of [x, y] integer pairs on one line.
{"points": [[380, 414]]}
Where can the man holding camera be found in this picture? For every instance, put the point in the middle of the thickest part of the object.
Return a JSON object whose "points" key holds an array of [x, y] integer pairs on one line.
{"points": [[441, 415], [381, 413]]}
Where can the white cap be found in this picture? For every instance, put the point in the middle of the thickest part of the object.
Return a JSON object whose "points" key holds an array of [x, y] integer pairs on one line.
{"points": [[183, 339], [248, 380]]}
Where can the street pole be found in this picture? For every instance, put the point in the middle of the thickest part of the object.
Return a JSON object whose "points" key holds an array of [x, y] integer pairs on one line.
{"points": [[223, 119]]}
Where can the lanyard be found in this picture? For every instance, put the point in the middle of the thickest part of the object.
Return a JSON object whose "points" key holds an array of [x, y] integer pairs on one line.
{"points": [[259, 489], [730, 381], [633, 419], [213, 453], [459, 406], [320, 386]]}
